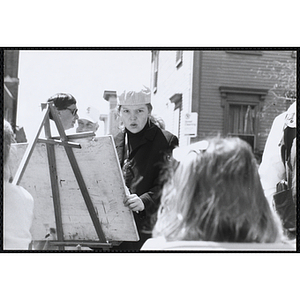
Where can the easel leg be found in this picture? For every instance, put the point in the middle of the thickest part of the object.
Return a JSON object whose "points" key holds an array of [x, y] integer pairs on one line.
{"points": [[79, 178], [54, 187], [55, 193]]}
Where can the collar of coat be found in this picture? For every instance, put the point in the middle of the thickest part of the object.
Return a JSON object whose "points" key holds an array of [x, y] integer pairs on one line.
{"points": [[149, 135]]}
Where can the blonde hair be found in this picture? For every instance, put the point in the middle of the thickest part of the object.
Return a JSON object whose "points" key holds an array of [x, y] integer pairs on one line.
{"points": [[216, 195]]}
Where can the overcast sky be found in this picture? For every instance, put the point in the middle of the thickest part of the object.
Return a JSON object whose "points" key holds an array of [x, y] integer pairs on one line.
{"points": [[84, 74]]}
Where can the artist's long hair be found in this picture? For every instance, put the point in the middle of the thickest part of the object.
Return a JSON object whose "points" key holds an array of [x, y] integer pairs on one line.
{"points": [[216, 195]]}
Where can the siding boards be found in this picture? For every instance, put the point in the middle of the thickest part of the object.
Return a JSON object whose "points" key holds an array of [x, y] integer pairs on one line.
{"points": [[220, 68], [217, 68]]}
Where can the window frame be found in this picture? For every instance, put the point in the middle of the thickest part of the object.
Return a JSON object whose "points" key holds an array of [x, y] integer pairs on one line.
{"points": [[155, 59], [242, 96], [178, 58], [176, 99]]}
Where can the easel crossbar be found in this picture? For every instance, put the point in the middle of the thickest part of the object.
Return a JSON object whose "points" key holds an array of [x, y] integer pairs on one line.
{"points": [[58, 142]]}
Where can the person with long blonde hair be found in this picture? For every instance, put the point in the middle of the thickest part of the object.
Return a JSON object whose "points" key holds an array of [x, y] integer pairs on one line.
{"points": [[215, 195]]}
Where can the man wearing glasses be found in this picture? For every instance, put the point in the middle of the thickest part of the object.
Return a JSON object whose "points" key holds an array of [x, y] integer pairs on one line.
{"points": [[66, 108]]}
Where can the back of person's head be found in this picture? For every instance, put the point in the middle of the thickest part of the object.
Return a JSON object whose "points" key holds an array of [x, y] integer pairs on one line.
{"points": [[61, 101], [216, 195]]}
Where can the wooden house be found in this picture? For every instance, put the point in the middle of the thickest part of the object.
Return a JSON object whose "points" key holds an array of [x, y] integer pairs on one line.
{"points": [[226, 92]]}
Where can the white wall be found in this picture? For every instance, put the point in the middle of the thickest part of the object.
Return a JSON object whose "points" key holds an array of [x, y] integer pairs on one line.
{"points": [[173, 80]]}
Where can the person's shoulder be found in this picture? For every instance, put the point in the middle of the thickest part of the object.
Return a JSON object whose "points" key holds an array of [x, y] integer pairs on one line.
{"points": [[278, 125], [168, 134], [171, 138], [26, 194], [290, 118], [288, 114], [280, 118], [18, 191], [158, 243], [161, 244]]}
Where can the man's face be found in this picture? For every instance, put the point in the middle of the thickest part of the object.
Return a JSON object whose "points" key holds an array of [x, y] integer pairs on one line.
{"points": [[134, 117], [68, 116], [86, 125]]}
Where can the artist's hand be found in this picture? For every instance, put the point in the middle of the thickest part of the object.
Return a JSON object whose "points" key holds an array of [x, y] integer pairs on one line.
{"points": [[134, 202]]}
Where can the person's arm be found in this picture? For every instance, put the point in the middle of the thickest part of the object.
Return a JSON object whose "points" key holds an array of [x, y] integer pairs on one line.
{"points": [[151, 198], [149, 201], [134, 202], [271, 169]]}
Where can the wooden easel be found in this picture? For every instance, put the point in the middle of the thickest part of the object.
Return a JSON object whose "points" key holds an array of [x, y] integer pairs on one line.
{"points": [[50, 143]]}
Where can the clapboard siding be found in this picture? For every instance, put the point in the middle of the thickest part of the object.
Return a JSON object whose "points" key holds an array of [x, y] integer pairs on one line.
{"points": [[217, 68], [221, 68]]}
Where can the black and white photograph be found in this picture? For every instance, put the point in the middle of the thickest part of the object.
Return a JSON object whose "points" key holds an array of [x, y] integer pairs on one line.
{"points": [[149, 150]]}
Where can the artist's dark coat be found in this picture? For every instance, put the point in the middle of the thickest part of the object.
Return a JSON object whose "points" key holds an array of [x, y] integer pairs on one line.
{"points": [[153, 149]]}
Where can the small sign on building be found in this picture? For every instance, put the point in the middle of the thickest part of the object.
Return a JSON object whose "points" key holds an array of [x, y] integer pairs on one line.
{"points": [[190, 124]]}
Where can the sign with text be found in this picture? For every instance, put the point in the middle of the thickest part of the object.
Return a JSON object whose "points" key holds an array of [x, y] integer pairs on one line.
{"points": [[190, 124]]}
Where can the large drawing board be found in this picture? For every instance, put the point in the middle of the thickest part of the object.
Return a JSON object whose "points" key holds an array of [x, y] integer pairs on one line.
{"points": [[100, 169]]}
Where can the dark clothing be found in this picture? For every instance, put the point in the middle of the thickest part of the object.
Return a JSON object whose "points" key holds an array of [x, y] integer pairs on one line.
{"points": [[148, 149], [284, 198]]}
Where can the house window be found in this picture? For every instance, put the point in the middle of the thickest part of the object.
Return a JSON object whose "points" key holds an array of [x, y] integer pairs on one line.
{"points": [[179, 55], [242, 122], [241, 119], [155, 69], [241, 107]]}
